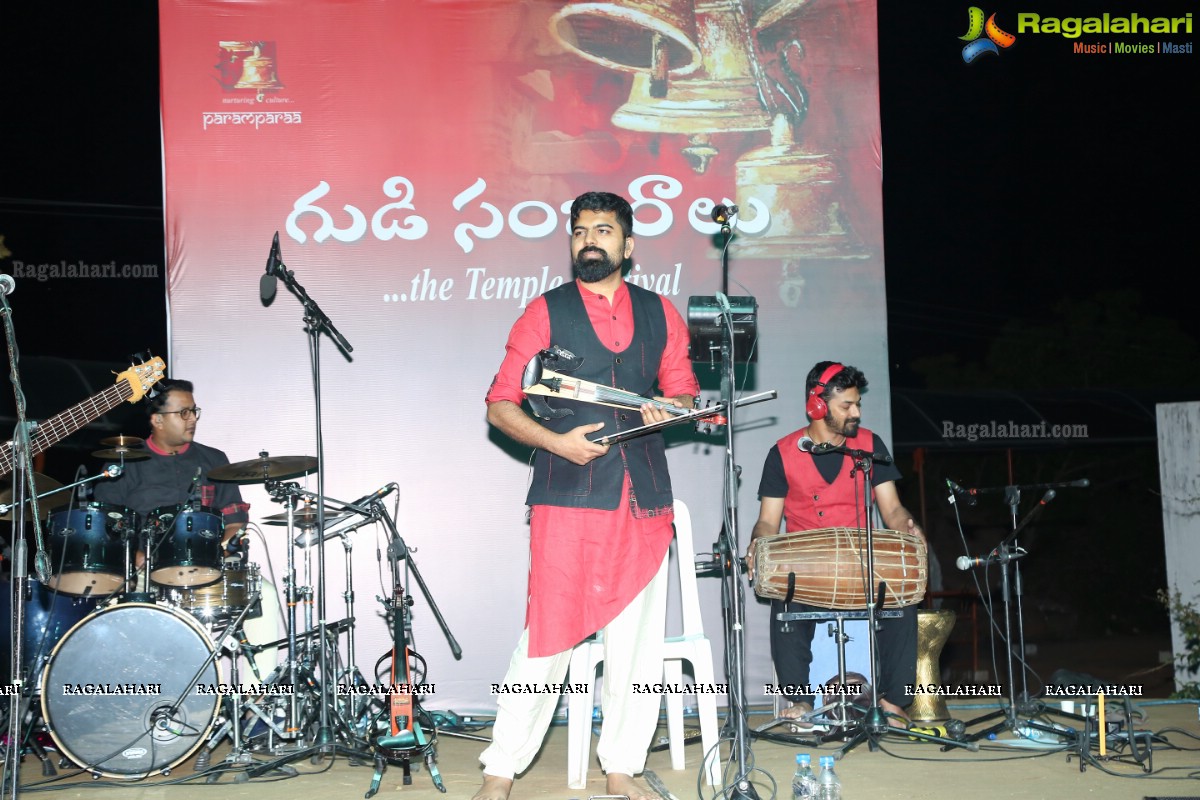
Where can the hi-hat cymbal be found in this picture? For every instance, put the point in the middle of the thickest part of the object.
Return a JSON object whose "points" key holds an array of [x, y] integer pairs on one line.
{"points": [[304, 518], [308, 536], [42, 483], [122, 454], [259, 470], [122, 441]]}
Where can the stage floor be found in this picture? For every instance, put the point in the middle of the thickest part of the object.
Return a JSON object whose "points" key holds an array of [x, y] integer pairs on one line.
{"points": [[899, 768]]}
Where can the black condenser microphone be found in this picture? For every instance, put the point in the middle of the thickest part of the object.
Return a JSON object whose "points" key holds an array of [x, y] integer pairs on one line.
{"points": [[267, 283], [969, 494], [191, 495], [378, 494], [722, 213], [805, 444]]}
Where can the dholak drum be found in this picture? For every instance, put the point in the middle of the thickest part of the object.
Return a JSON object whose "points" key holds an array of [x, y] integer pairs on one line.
{"points": [[87, 547], [830, 565], [221, 602], [122, 692], [48, 616], [187, 545]]}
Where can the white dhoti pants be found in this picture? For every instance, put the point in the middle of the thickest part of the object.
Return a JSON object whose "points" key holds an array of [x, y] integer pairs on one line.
{"points": [[633, 661]]}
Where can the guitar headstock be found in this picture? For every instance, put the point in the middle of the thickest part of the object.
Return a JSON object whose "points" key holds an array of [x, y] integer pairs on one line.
{"points": [[141, 377]]}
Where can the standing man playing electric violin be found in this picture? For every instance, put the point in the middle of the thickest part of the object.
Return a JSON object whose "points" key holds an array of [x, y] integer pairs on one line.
{"points": [[600, 522]]}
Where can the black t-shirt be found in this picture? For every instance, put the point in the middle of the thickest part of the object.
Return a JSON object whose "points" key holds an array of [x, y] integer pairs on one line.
{"points": [[166, 480], [774, 481]]}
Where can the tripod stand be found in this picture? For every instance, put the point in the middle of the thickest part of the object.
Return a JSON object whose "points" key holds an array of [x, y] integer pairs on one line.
{"points": [[407, 738], [316, 323], [1006, 555], [874, 724], [835, 715]]}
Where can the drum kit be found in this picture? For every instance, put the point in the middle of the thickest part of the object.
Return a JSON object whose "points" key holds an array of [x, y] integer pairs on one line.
{"points": [[122, 643]]}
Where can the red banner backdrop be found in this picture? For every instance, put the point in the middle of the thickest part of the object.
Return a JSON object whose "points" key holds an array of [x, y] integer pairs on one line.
{"points": [[417, 159]]}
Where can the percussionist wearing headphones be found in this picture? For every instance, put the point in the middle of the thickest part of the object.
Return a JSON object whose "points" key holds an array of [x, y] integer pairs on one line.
{"points": [[817, 490]]}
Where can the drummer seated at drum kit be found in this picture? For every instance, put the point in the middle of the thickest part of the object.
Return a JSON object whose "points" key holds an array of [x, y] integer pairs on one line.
{"points": [[813, 491], [194, 522]]}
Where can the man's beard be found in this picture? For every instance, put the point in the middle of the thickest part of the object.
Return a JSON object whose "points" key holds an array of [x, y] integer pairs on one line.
{"points": [[591, 270], [847, 428]]}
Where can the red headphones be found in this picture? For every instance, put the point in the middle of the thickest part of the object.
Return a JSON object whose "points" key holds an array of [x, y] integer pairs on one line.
{"points": [[815, 405]]}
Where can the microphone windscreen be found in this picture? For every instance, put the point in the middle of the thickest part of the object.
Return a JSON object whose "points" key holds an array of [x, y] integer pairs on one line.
{"points": [[266, 287]]}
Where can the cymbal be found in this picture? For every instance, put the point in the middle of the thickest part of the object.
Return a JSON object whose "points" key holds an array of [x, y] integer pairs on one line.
{"points": [[122, 441], [308, 536], [304, 518], [122, 454], [259, 470], [43, 483]]}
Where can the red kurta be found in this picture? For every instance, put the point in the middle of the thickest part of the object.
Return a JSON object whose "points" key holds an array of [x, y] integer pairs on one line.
{"points": [[586, 564]]}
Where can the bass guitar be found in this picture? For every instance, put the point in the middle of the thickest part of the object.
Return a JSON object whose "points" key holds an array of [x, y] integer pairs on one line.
{"points": [[131, 386]]}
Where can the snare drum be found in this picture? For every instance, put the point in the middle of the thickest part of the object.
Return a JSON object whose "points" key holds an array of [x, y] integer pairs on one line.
{"points": [[186, 545], [830, 567], [221, 602], [87, 547], [131, 690]]}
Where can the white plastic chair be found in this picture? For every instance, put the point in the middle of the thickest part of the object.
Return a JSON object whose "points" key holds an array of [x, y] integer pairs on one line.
{"points": [[692, 646]]}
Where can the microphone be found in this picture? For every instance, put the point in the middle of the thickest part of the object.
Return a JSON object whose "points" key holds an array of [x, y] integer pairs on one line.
{"points": [[967, 493], [966, 562], [805, 444], [41, 565], [378, 494], [113, 471], [7, 284], [267, 283], [721, 213], [191, 495]]}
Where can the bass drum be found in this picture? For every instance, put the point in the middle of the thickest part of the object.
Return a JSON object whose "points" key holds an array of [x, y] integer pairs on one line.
{"points": [[128, 692], [48, 617]]}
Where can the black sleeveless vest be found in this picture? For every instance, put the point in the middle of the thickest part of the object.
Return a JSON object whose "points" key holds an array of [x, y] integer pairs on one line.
{"points": [[558, 482]]}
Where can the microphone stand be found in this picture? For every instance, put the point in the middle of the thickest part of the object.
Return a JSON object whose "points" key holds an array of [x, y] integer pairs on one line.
{"points": [[874, 724], [1006, 553], [316, 322], [113, 471], [732, 591], [23, 488]]}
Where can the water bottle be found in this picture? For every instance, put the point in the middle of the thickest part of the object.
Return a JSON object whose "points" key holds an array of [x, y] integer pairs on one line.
{"points": [[804, 782], [828, 785]]}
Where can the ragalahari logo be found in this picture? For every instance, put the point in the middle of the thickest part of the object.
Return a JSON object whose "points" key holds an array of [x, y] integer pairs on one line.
{"points": [[976, 28]]}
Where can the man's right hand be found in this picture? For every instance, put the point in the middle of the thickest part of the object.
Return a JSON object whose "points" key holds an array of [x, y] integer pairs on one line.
{"points": [[575, 447]]}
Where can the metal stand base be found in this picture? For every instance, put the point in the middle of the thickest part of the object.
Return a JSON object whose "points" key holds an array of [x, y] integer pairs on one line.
{"points": [[874, 724]]}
